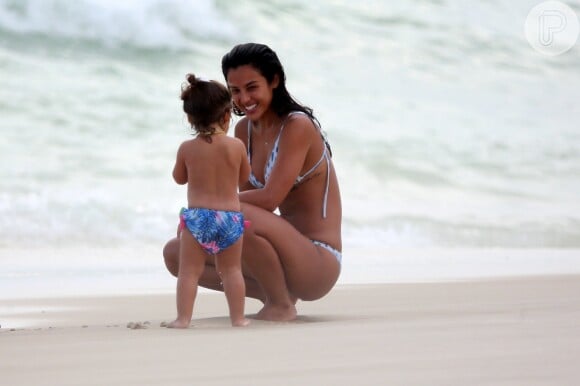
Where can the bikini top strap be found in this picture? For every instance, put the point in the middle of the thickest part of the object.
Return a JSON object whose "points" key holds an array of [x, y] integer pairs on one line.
{"points": [[325, 199], [325, 155], [249, 139]]}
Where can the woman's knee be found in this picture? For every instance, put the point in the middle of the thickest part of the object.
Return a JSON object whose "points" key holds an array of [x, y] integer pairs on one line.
{"points": [[316, 287], [315, 294]]}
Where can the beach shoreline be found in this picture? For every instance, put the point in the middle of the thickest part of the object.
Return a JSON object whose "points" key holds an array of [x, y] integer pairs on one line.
{"points": [[30, 273]]}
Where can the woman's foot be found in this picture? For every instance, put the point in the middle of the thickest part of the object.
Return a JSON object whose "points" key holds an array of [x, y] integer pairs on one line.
{"points": [[178, 324], [277, 313]]}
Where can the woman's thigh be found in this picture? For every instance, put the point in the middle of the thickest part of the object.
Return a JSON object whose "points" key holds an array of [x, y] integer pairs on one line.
{"points": [[310, 271]]}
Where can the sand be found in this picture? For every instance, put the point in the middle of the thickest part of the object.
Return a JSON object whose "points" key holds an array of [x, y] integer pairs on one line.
{"points": [[509, 331]]}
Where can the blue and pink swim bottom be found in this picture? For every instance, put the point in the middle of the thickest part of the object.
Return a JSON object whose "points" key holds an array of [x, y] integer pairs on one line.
{"points": [[214, 230]]}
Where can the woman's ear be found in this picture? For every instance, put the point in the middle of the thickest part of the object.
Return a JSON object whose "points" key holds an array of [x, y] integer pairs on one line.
{"points": [[275, 81]]}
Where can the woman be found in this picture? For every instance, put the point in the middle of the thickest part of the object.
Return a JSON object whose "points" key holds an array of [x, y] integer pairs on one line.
{"points": [[296, 254]]}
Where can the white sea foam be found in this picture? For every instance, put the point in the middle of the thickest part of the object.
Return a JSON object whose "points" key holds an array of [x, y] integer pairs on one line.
{"points": [[141, 23]]}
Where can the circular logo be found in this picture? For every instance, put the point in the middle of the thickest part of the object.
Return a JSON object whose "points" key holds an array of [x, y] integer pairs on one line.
{"points": [[552, 28]]}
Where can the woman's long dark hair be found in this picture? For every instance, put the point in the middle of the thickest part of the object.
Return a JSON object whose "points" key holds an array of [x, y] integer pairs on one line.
{"points": [[265, 60]]}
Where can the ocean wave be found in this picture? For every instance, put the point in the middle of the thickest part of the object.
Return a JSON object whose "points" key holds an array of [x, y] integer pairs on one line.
{"points": [[75, 217], [415, 231], [168, 24]]}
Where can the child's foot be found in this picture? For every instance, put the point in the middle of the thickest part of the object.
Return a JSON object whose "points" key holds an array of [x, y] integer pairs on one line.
{"points": [[243, 322], [177, 324]]}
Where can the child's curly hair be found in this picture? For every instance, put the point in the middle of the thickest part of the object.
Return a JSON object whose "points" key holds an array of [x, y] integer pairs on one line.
{"points": [[205, 102]]}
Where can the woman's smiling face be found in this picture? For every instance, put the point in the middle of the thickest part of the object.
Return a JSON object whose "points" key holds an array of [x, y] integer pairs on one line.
{"points": [[251, 92]]}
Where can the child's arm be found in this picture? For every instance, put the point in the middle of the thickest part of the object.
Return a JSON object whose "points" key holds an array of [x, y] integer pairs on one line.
{"points": [[179, 170]]}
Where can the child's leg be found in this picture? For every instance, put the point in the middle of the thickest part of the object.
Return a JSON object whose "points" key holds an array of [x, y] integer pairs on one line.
{"points": [[209, 279], [229, 267], [191, 265]]}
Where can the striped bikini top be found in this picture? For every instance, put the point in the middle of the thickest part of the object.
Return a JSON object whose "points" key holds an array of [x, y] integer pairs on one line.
{"points": [[274, 154]]}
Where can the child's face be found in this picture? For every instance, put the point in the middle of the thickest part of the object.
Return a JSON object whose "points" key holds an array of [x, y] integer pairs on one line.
{"points": [[251, 92]]}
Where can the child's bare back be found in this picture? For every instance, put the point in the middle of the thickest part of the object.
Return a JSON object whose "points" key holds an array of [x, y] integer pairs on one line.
{"points": [[212, 171]]}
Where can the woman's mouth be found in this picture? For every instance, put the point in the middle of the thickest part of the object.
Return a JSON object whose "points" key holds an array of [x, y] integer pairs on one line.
{"points": [[250, 108]]}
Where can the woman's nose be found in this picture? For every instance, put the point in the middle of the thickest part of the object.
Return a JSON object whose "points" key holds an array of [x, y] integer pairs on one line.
{"points": [[243, 97]]}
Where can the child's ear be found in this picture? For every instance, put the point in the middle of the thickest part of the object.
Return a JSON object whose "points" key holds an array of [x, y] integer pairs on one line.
{"points": [[227, 118]]}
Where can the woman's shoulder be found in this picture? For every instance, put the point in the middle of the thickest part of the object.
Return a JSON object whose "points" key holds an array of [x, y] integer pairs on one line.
{"points": [[241, 129], [242, 124], [300, 123]]}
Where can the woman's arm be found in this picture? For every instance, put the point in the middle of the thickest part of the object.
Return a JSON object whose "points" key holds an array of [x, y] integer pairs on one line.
{"points": [[294, 144]]}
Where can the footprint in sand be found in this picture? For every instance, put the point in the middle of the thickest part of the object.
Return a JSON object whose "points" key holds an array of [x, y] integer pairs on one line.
{"points": [[138, 325]]}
